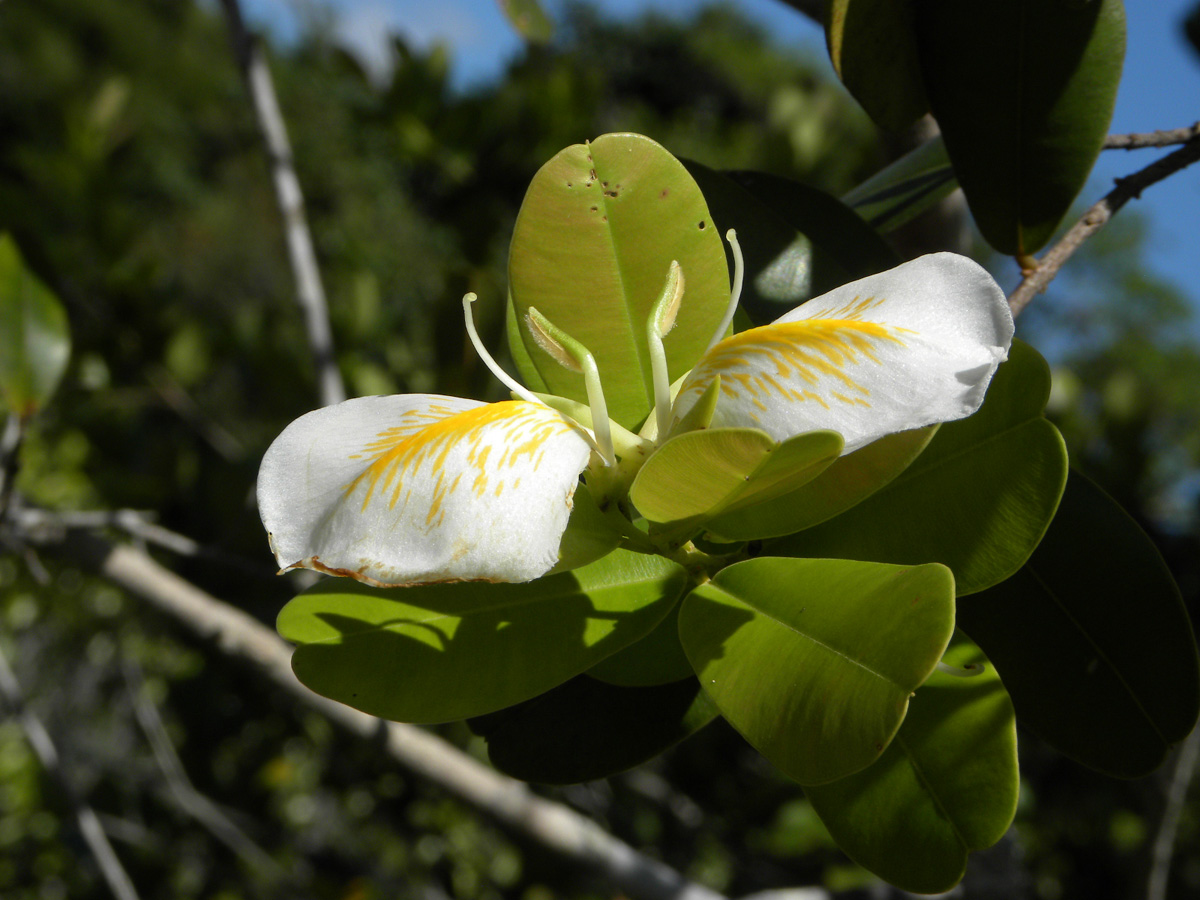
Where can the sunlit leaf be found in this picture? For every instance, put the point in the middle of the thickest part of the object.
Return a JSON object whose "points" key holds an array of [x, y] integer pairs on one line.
{"points": [[947, 784], [1092, 639], [35, 340], [978, 499], [585, 729], [1023, 91], [702, 473], [874, 52], [849, 481], [598, 229], [813, 660], [437, 653]]}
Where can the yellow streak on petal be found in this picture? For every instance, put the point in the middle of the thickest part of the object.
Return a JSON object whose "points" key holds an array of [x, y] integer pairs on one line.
{"points": [[398, 455], [812, 351]]}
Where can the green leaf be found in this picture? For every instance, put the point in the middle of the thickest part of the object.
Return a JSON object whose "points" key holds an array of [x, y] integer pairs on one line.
{"points": [[977, 500], [945, 786], [798, 242], [904, 189], [529, 19], [585, 729], [1092, 639], [592, 244], [874, 52], [35, 338], [702, 473], [813, 660], [589, 536], [437, 653], [1023, 91], [658, 658], [849, 481]]}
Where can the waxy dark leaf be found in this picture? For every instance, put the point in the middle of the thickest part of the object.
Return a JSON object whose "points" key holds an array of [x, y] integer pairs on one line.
{"points": [[874, 52], [1023, 91], [1092, 639], [586, 729]]}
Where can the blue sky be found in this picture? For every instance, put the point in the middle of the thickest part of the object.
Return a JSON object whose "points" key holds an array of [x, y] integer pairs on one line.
{"points": [[1160, 89]]}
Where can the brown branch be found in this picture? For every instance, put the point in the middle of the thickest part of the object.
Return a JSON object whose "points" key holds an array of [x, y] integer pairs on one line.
{"points": [[509, 802], [1128, 188], [1151, 138], [309, 290]]}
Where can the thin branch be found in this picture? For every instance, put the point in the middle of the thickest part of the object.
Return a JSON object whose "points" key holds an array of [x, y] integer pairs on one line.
{"points": [[114, 873], [509, 802], [195, 804], [1128, 188], [309, 290], [1164, 841], [1151, 138]]}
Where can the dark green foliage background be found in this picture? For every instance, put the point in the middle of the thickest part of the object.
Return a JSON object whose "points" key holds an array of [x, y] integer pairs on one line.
{"points": [[132, 178]]}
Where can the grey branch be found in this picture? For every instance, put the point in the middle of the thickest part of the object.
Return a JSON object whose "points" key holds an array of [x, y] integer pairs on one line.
{"points": [[1164, 841], [1151, 138], [309, 289], [1128, 188], [509, 802], [89, 824], [190, 800]]}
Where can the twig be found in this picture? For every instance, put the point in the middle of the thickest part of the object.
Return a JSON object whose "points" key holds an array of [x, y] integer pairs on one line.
{"points": [[1128, 188], [10, 448], [309, 290], [1164, 841], [42, 526], [89, 824], [195, 804], [1151, 138], [510, 802]]}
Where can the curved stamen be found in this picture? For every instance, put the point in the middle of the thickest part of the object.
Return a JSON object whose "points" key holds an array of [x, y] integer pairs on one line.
{"points": [[739, 271], [661, 321], [571, 354], [507, 380]]}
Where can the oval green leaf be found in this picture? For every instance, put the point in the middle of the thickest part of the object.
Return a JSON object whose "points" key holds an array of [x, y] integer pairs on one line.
{"points": [[598, 229], [977, 500], [699, 474], [874, 52], [1092, 639], [438, 653], [35, 339], [1024, 92], [813, 660], [849, 481], [947, 784], [586, 729]]}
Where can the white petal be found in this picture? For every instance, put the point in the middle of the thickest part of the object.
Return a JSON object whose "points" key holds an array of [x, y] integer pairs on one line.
{"points": [[419, 488], [906, 348]]}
